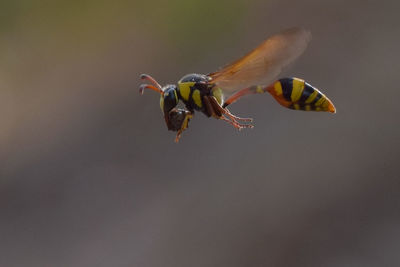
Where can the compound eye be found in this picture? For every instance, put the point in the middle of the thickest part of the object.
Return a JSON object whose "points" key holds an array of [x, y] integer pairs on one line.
{"points": [[170, 101]]}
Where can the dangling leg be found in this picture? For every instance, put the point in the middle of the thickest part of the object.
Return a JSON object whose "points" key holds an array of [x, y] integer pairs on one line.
{"points": [[229, 114], [217, 113], [184, 126], [235, 123], [216, 106], [210, 109], [215, 110]]}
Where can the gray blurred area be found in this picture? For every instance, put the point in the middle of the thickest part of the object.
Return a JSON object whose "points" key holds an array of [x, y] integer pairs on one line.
{"points": [[90, 176]]}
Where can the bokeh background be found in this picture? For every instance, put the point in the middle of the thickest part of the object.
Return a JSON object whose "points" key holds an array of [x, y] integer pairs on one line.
{"points": [[90, 176]]}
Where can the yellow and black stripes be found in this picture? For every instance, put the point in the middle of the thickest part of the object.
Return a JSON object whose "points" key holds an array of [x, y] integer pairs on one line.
{"points": [[185, 89], [191, 90], [191, 95], [292, 93], [296, 94]]}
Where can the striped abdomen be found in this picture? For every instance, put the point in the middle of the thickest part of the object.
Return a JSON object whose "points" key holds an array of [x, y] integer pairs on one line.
{"points": [[296, 94]]}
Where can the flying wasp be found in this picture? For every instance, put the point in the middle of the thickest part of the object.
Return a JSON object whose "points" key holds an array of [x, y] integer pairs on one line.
{"points": [[255, 73]]}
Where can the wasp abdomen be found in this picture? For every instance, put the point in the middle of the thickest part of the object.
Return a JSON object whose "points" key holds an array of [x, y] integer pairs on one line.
{"points": [[295, 93]]}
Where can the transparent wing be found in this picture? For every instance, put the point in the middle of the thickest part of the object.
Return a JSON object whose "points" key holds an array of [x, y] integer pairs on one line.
{"points": [[262, 65]]}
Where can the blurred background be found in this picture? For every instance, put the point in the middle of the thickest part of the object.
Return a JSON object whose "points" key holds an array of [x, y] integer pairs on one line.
{"points": [[90, 176]]}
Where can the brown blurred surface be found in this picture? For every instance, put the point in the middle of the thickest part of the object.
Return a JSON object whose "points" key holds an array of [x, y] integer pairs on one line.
{"points": [[90, 176]]}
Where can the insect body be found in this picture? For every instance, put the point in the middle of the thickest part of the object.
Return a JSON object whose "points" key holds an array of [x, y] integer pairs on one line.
{"points": [[293, 93], [191, 90], [253, 74]]}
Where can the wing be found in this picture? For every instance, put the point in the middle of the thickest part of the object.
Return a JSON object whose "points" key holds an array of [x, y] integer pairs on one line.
{"points": [[262, 65]]}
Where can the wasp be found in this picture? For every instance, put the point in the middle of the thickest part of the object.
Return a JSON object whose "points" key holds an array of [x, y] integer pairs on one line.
{"points": [[255, 73]]}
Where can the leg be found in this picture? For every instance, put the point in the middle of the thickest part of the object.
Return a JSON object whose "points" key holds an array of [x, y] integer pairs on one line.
{"points": [[236, 124], [226, 112], [215, 110], [212, 112], [184, 126], [237, 118]]}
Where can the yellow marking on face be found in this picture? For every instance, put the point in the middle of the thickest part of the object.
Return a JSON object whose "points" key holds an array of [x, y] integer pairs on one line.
{"points": [[308, 107], [259, 89], [278, 88], [312, 97], [217, 93], [320, 101], [298, 87], [184, 89], [196, 98], [317, 109], [176, 96], [296, 106], [162, 103]]}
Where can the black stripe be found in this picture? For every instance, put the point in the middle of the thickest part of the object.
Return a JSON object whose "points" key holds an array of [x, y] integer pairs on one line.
{"points": [[287, 88], [301, 106], [316, 99], [190, 103], [179, 93], [308, 90], [190, 98]]}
